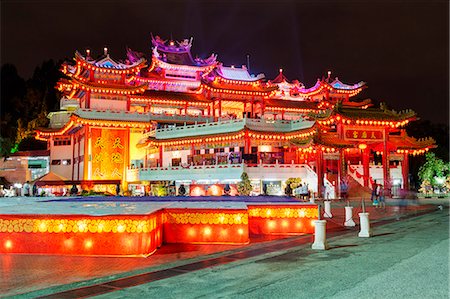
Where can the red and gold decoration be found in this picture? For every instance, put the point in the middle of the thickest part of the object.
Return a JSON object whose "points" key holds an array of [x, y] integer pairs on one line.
{"points": [[81, 235], [200, 226], [108, 150], [279, 219], [141, 235], [363, 134]]}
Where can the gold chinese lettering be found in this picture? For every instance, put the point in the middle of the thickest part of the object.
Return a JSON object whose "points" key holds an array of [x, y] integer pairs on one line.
{"points": [[100, 157], [98, 173], [116, 158], [117, 143], [355, 134], [116, 173], [373, 136], [100, 142], [364, 135]]}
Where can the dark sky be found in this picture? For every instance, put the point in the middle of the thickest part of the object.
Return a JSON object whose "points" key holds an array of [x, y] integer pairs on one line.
{"points": [[400, 48]]}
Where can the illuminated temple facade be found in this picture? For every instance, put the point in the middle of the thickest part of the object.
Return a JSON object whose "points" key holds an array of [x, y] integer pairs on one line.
{"points": [[171, 119]]}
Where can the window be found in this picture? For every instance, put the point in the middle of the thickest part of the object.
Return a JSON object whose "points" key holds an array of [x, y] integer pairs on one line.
{"points": [[66, 162], [176, 161], [56, 162], [61, 141]]}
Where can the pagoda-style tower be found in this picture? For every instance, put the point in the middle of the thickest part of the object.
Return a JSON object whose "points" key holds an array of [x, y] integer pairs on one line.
{"points": [[89, 139]]}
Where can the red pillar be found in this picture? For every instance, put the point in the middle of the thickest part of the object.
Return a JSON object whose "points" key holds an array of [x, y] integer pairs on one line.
{"points": [[366, 173], [192, 152], [405, 171], [319, 170], [161, 149], [339, 167], [220, 108], [247, 149], [263, 108], [386, 170]]}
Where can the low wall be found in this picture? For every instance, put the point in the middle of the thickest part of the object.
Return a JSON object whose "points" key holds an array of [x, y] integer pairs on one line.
{"points": [[141, 235]]}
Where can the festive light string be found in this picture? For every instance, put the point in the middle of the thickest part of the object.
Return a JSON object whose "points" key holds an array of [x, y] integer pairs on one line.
{"points": [[343, 120], [169, 102], [237, 82], [168, 66], [239, 92], [128, 69], [413, 152]]}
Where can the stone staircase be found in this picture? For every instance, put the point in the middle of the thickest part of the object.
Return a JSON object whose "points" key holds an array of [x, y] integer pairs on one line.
{"points": [[355, 190]]}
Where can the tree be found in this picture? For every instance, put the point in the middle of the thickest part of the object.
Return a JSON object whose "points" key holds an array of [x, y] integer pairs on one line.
{"points": [[434, 170], [291, 184], [244, 186]]}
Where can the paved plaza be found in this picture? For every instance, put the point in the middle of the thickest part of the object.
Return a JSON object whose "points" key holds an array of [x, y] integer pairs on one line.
{"points": [[405, 258]]}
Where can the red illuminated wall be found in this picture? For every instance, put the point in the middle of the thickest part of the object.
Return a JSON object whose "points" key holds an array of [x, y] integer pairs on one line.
{"points": [[140, 235], [81, 235], [206, 226], [279, 219]]}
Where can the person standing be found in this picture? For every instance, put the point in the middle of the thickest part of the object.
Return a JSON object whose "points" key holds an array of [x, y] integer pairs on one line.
{"points": [[381, 198], [26, 189], [373, 197]]}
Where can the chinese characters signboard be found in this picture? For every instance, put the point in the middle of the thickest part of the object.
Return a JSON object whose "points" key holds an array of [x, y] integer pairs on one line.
{"points": [[108, 153], [363, 134]]}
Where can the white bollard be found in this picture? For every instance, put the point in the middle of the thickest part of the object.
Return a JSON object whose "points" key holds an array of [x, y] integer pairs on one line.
{"points": [[320, 236], [365, 225], [349, 217], [327, 213], [312, 199]]}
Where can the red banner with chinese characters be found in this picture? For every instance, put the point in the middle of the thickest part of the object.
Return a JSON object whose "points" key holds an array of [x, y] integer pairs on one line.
{"points": [[364, 135], [108, 154]]}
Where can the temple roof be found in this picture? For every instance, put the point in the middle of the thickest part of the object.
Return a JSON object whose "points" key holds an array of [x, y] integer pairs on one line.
{"points": [[73, 85], [280, 78], [374, 113], [337, 84], [236, 73], [105, 61], [178, 53]]}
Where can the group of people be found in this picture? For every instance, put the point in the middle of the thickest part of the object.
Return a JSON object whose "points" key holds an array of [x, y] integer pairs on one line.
{"points": [[378, 196]]}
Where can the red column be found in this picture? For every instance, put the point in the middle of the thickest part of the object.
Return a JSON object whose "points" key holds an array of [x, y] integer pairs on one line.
{"points": [[263, 107], [87, 103], [79, 154], [386, 170], [339, 167], [319, 170], [247, 149], [220, 108], [405, 171], [192, 152], [73, 139], [161, 149], [366, 173]]}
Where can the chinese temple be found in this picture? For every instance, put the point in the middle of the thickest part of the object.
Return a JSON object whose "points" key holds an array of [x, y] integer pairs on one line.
{"points": [[169, 119]]}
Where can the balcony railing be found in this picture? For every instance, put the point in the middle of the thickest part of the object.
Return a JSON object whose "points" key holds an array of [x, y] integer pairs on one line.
{"points": [[200, 172], [232, 125], [230, 172]]}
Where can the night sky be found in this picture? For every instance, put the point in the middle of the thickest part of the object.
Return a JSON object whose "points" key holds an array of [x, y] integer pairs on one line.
{"points": [[400, 48]]}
